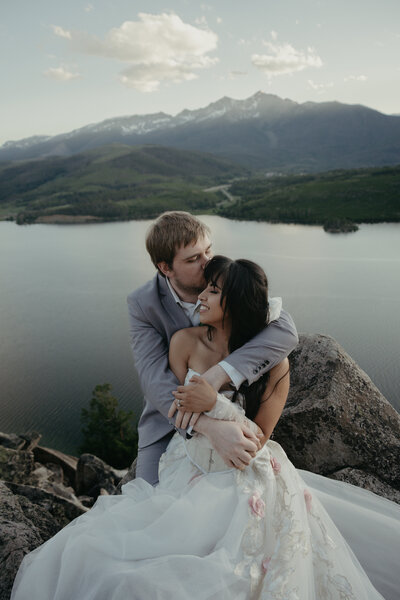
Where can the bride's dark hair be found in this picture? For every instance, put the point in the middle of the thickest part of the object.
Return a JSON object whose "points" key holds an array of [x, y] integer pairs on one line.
{"points": [[244, 298]]}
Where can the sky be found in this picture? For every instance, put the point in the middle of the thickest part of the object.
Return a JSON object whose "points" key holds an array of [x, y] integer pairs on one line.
{"points": [[67, 64]]}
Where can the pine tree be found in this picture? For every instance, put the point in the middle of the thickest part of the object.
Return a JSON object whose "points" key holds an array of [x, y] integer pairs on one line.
{"points": [[108, 432]]}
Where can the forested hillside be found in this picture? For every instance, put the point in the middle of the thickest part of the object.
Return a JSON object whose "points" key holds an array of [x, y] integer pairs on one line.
{"points": [[361, 195], [113, 182]]}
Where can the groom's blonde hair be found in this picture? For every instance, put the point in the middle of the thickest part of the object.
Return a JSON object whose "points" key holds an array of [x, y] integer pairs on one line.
{"points": [[169, 232]]}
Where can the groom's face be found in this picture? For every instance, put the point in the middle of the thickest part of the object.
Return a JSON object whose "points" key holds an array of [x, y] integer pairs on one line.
{"points": [[187, 272]]}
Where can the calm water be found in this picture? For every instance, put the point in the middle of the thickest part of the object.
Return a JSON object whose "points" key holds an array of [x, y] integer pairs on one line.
{"points": [[64, 324]]}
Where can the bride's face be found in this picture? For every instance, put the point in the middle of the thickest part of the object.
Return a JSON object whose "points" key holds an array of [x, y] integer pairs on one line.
{"points": [[211, 311]]}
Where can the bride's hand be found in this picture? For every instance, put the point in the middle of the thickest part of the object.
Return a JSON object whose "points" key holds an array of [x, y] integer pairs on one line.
{"points": [[196, 397]]}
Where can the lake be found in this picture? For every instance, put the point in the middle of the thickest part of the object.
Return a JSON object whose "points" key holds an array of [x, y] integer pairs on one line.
{"points": [[64, 321]]}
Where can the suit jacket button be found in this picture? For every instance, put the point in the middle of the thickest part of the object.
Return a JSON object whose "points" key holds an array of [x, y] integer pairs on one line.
{"points": [[255, 371], [267, 362]]}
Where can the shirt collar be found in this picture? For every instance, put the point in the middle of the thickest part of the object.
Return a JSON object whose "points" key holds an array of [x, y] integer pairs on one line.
{"points": [[177, 299]]}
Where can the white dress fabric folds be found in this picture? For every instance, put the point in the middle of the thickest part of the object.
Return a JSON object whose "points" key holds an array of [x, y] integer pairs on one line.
{"points": [[206, 532]]}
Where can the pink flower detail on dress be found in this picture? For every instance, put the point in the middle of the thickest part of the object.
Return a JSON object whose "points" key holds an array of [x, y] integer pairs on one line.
{"points": [[308, 499], [265, 564], [195, 477], [276, 466], [257, 504]]}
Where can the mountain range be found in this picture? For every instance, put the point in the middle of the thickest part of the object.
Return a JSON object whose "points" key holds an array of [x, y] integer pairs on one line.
{"points": [[264, 132]]}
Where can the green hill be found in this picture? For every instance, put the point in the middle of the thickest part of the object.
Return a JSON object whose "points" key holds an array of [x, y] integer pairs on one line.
{"points": [[362, 195], [120, 182], [113, 182]]}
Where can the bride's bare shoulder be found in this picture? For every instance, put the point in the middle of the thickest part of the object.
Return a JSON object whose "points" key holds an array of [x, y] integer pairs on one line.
{"points": [[188, 335], [184, 343]]}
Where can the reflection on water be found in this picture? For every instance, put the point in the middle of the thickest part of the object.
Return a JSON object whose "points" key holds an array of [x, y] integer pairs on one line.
{"points": [[63, 317]]}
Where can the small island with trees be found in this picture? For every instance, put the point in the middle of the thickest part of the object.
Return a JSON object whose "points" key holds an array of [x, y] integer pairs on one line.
{"points": [[340, 226]]}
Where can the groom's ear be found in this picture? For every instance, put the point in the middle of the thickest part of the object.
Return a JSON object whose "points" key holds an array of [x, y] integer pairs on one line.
{"points": [[164, 268]]}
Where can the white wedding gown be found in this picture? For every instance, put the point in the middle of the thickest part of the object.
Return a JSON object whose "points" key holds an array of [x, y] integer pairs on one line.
{"points": [[207, 532]]}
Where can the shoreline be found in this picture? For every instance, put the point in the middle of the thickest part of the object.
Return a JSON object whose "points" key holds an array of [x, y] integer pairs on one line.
{"points": [[61, 219]]}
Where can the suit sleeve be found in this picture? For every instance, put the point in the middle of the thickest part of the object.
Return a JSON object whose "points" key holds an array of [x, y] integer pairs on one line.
{"points": [[150, 352], [266, 349]]}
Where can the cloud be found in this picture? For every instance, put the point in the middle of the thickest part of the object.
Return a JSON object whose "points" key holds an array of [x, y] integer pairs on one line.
{"points": [[319, 87], [201, 21], [274, 35], [62, 32], [157, 48], [89, 8], [147, 77], [356, 78], [236, 74], [61, 74], [219, 21], [283, 59]]}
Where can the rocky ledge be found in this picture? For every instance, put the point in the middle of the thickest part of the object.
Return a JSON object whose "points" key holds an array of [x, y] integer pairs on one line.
{"points": [[336, 423], [41, 491]]}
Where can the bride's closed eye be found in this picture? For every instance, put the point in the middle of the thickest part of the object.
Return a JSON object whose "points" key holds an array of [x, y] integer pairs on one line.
{"points": [[213, 288]]}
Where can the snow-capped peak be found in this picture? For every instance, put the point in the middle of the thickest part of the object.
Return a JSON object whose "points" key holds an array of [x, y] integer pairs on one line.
{"points": [[138, 125]]}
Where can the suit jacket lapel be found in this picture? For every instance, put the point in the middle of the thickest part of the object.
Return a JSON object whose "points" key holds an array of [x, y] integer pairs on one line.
{"points": [[175, 312]]}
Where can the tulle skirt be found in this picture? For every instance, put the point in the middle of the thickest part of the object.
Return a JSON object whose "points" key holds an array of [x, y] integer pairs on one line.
{"points": [[269, 532]]}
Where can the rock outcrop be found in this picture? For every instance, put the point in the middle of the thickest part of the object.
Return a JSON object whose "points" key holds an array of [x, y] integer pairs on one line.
{"points": [[95, 477], [37, 498], [67, 463], [336, 423], [130, 474], [23, 527]]}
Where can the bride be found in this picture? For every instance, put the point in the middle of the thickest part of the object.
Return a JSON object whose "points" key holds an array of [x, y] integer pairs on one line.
{"points": [[212, 531]]}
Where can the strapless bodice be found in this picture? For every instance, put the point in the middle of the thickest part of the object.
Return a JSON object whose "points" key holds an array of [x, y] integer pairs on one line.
{"points": [[199, 449]]}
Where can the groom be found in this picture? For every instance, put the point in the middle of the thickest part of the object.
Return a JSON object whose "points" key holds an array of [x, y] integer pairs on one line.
{"points": [[179, 246]]}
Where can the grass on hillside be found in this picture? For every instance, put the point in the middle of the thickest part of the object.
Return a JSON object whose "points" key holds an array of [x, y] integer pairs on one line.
{"points": [[119, 182], [362, 195], [113, 183]]}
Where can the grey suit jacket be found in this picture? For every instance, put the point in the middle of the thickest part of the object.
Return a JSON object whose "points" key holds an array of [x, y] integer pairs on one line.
{"points": [[154, 318]]}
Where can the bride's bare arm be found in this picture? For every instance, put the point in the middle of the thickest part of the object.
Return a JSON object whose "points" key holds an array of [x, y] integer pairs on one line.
{"points": [[235, 442], [179, 352], [274, 399], [182, 346], [272, 402]]}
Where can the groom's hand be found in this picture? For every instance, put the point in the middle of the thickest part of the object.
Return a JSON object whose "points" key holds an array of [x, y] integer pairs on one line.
{"points": [[183, 419], [235, 443]]}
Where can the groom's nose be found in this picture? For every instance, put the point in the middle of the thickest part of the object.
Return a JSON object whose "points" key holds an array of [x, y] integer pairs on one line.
{"points": [[204, 260]]}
